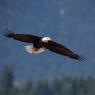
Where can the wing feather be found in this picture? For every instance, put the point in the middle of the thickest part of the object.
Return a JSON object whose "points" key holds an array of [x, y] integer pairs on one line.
{"points": [[60, 49], [21, 37], [26, 38]]}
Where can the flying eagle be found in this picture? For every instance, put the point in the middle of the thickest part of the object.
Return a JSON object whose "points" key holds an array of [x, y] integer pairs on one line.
{"points": [[38, 44]]}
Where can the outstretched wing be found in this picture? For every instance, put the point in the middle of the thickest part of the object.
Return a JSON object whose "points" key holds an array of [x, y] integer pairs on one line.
{"points": [[22, 37], [60, 49]]}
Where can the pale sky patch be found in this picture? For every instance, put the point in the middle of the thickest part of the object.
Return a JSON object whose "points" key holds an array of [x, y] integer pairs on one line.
{"points": [[62, 12]]}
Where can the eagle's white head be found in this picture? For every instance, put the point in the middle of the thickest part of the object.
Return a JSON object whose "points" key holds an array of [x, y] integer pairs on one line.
{"points": [[46, 39]]}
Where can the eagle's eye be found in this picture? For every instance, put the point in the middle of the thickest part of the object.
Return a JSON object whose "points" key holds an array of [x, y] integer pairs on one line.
{"points": [[46, 39]]}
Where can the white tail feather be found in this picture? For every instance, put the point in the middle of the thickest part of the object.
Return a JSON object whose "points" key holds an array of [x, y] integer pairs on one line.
{"points": [[31, 49]]}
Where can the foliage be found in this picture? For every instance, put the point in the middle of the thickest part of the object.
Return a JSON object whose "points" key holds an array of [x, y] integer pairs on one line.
{"points": [[63, 86]]}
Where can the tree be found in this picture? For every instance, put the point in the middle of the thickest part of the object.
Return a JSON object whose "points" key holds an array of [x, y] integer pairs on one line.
{"points": [[7, 80], [57, 87], [28, 88], [42, 88], [74, 87]]}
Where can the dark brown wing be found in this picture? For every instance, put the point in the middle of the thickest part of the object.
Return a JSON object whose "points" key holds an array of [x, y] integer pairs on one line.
{"points": [[23, 37], [60, 49]]}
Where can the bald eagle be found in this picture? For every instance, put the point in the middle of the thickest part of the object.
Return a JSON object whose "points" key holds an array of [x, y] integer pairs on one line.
{"points": [[38, 44]]}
